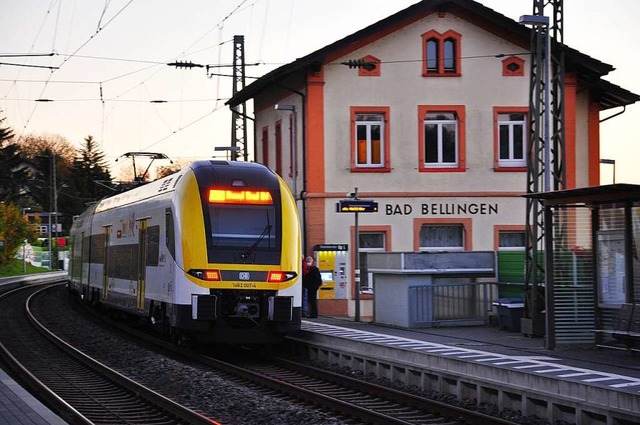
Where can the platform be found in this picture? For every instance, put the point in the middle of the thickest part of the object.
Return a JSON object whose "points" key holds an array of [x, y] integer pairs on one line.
{"points": [[574, 384], [491, 339], [18, 407]]}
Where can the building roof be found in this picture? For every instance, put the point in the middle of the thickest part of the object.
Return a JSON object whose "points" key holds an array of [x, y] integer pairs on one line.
{"points": [[588, 69]]}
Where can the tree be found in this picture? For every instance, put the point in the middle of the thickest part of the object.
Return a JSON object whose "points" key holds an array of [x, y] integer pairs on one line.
{"points": [[14, 229], [167, 170], [33, 145], [14, 169], [50, 186], [90, 172]]}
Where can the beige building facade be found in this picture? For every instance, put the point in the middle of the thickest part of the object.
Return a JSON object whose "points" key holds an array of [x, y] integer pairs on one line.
{"points": [[436, 134]]}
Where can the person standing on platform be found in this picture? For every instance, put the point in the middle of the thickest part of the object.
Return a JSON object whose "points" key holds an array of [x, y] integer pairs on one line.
{"points": [[312, 281], [305, 305]]}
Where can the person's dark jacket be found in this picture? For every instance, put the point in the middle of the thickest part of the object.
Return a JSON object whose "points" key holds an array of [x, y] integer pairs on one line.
{"points": [[312, 280]]}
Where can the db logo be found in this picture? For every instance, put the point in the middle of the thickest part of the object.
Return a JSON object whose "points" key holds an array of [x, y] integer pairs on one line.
{"points": [[244, 276]]}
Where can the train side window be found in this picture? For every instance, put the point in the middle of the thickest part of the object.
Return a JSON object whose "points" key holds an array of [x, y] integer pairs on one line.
{"points": [[153, 245], [97, 249], [170, 240]]}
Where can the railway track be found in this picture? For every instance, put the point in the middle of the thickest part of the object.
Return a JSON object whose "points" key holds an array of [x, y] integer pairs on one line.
{"points": [[349, 398], [352, 401], [353, 398], [79, 389]]}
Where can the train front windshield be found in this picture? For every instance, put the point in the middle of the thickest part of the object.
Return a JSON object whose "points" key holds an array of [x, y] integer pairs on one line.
{"points": [[244, 231], [241, 227]]}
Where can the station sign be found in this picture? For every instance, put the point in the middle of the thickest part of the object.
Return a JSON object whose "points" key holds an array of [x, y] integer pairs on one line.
{"points": [[357, 205]]}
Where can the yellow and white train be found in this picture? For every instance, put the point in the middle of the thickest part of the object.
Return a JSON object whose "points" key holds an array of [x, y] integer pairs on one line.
{"points": [[210, 253]]}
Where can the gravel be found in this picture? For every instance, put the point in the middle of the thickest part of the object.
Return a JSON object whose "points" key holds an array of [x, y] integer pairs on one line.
{"points": [[207, 391], [192, 385]]}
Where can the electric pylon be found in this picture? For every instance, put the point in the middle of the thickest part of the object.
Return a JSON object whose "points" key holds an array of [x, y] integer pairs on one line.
{"points": [[542, 160], [238, 113]]}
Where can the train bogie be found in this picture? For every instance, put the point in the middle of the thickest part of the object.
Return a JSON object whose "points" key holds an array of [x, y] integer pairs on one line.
{"points": [[212, 252]]}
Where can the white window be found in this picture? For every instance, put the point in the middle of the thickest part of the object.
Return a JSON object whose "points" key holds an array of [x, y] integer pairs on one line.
{"points": [[441, 139], [369, 242], [441, 237], [511, 240], [369, 140], [512, 140]]}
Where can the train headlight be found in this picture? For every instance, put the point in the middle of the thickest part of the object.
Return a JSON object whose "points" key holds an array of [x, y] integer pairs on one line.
{"points": [[278, 277], [212, 275]]}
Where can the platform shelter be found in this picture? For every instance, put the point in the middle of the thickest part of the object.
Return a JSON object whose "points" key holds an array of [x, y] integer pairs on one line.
{"points": [[591, 260]]}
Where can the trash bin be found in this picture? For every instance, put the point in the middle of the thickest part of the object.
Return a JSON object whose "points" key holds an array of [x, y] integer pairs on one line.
{"points": [[510, 311]]}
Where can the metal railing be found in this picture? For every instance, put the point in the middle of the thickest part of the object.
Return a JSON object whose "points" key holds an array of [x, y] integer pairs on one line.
{"points": [[451, 303]]}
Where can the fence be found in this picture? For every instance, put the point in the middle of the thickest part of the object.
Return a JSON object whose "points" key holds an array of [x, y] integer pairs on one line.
{"points": [[451, 303]]}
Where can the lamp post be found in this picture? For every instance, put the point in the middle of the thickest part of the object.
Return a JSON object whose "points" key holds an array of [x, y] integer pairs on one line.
{"points": [[229, 149], [354, 196], [49, 241], [24, 243], [293, 146], [24, 256], [611, 162], [540, 21]]}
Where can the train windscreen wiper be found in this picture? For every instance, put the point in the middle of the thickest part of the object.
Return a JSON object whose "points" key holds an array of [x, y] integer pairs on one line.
{"points": [[249, 254]]}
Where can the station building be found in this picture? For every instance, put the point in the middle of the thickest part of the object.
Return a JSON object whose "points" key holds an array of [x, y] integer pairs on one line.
{"points": [[436, 133]]}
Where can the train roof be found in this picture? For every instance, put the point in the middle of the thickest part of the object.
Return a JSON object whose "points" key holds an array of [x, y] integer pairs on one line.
{"points": [[168, 184]]}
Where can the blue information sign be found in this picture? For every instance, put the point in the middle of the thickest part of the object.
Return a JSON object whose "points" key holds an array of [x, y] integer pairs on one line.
{"points": [[357, 205]]}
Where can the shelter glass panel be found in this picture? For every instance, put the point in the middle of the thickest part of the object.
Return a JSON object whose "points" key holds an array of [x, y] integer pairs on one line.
{"points": [[611, 257], [635, 229]]}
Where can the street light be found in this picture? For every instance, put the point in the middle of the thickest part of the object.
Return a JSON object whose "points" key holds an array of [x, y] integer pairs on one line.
{"points": [[540, 21], [228, 149], [354, 196], [294, 145], [24, 256], [24, 244], [611, 162]]}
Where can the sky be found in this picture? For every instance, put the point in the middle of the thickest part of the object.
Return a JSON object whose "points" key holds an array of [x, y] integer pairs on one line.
{"points": [[103, 65]]}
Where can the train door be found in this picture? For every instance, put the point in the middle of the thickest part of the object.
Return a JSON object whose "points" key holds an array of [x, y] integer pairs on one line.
{"points": [[142, 262], [85, 267], [105, 269], [82, 259]]}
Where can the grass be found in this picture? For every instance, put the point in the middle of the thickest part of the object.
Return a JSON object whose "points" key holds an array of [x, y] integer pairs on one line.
{"points": [[15, 268]]}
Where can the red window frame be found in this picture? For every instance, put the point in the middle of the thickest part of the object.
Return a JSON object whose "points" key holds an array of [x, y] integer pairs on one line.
{"points": [[466, 223], [265, 145], [441, 38], [375, 72], [497, 110], [278, 141], [462, 160], [506, 72], [386, 164]]}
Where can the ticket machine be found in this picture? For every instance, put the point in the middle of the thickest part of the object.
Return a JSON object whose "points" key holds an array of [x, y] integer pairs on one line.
{"points": [[332, 262]]}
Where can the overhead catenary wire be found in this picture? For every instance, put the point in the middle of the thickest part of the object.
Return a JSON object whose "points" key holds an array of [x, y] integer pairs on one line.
{"points": [[182, 128], [69, 57], [183, 53], [111, 92]]}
